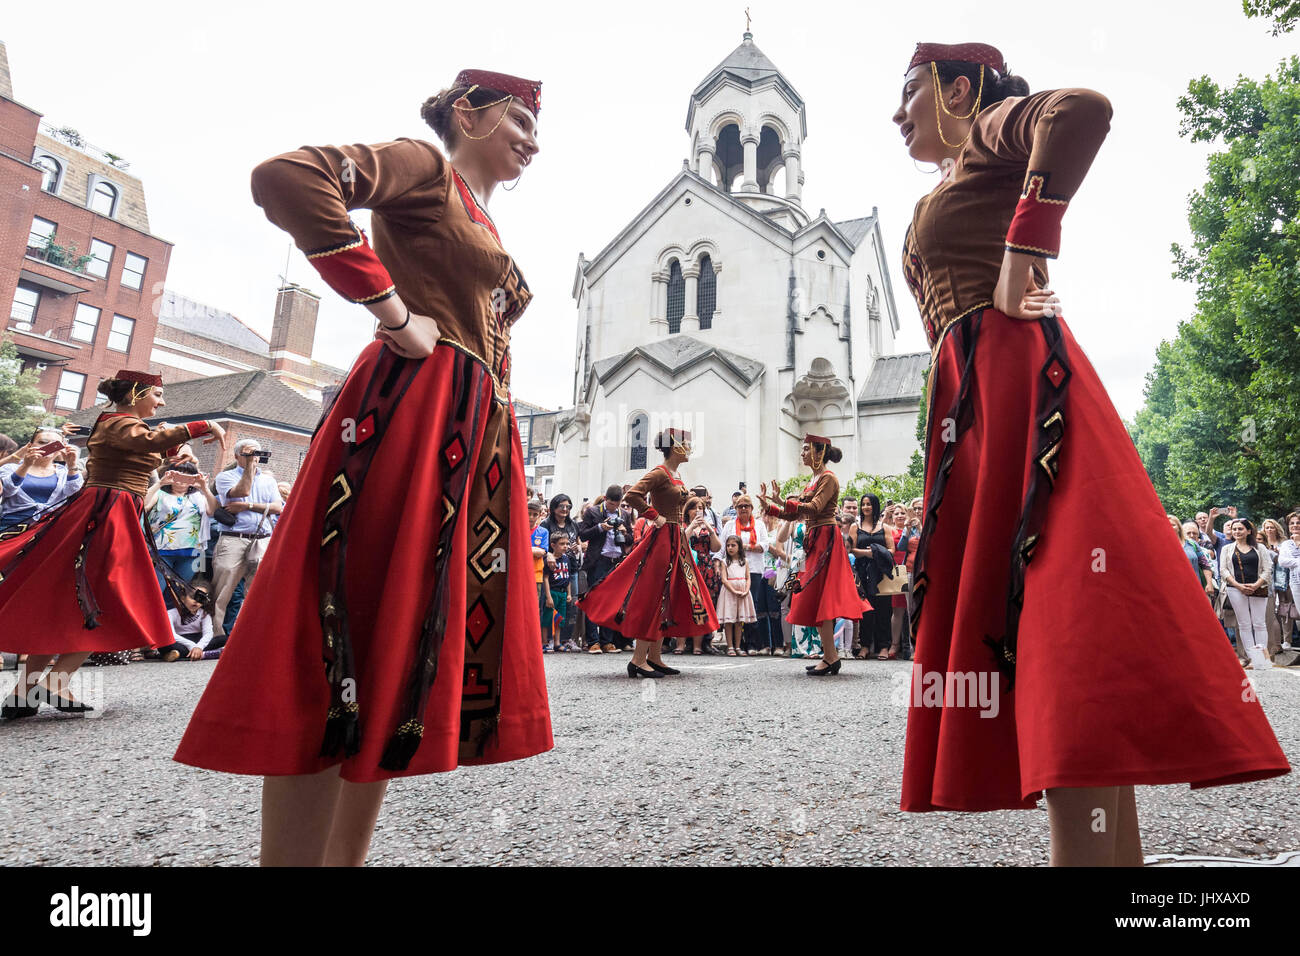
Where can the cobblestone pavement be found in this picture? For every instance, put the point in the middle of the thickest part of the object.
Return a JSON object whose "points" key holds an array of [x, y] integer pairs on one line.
{"points": [[736, 761]]}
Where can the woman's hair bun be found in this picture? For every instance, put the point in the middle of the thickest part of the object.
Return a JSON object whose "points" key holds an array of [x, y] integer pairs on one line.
{"points": [[116, 390], [438, 109], [1011, 85], [833, 454]]}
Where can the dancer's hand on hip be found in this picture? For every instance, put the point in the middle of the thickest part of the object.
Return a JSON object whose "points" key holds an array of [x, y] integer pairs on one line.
{"points": [[413, 337], [1017, 294]]}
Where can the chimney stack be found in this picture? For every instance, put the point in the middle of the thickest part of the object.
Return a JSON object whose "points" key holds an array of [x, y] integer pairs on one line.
{"points": [[294, 330], [6, 81]]}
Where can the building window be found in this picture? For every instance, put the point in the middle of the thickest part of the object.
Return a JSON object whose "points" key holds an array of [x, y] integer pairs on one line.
{"points": [[101, 257], [119, 337], [676, 297], [51, 173], [707, 292], [133, 270], [41, 234], [23, 312], [637, 440], [85, 323], [103, 199], [71, 385]]}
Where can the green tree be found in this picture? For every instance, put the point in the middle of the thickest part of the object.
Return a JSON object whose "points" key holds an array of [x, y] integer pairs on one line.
{"points": [[1221, 422], [19, 395], [1284, 13]]}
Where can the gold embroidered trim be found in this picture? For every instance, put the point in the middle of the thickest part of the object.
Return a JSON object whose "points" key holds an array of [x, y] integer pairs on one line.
{"points": [[1035, 186], [378, 295], [1053, 253], [335, 252]]}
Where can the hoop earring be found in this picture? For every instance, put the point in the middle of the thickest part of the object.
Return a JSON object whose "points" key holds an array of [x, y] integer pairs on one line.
{"points": [[928, 172], [511, 187]]}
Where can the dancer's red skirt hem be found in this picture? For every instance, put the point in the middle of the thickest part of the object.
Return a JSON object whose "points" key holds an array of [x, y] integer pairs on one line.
{"points": [[1122, 675], [661, 563], [39, 609], [264, 709], [831, 593]]}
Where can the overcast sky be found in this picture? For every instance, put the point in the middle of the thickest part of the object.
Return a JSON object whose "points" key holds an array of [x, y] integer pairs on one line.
{"points": [[195, 99]]}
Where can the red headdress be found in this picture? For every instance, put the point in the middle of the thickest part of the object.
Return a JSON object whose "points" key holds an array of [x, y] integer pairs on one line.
{"points": [[989, 56], [529, 92], [143, 378], [816, 440]]}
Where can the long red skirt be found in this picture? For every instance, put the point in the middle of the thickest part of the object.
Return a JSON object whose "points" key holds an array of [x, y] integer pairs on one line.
{"points": [[657, 591], [264, 708], [1122, 674], [828, 589], [41, 611]]}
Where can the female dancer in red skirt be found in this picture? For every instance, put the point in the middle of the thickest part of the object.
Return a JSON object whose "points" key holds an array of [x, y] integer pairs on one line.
{"points": [[1060, 619], [825, 589], [657, 591], [112, 602], [404, 559]]}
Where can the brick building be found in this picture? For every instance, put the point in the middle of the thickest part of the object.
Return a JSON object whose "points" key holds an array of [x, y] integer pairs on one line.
{"points": [[197, 339], [537, 439], [252, 404], [79, 268]]}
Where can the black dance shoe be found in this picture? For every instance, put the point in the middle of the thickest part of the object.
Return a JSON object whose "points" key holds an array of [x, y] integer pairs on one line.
{"points": [[825, 671], [63, 704], [66, 706], [12, 710], [634, 671], [663, 669]]}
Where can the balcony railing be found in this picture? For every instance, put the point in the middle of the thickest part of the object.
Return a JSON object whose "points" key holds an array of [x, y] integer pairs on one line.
{"points": [[66, 134], [65, 257]]}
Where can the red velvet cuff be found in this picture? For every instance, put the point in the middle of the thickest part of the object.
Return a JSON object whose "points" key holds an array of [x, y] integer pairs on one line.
{"points": [[353, 270], [197, 428], [1036, 228], [651, 514]]}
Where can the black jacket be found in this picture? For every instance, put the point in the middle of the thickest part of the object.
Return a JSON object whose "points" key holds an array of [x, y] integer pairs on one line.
{"points": [[590, 531]]}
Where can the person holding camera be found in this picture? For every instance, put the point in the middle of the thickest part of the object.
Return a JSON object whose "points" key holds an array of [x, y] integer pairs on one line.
{"points": [[112, 602], [249, 497], [44, 475], [657, 592], [180, 507], [192, 637], [609, 538]]}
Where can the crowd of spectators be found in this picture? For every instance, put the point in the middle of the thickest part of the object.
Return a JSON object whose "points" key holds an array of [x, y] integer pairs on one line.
{"points": [[745, 560], [1250, 574], [211, 534]]}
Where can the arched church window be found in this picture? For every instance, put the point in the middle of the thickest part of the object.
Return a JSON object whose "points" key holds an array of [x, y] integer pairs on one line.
{"points": [[637, 441], [676, 297], [707, 292]]}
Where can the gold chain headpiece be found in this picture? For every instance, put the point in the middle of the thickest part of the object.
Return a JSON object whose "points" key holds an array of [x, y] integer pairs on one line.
{"points": [[939, 105], [471, 109]]}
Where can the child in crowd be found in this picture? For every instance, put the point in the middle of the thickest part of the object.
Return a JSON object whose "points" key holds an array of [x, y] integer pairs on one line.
{"points": [[735, 603], [541, 545], [192, 638], [844, 627], [557, 629]]}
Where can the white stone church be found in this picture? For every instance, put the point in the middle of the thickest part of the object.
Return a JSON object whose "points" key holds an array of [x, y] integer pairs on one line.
{"points": [[725, 308]]}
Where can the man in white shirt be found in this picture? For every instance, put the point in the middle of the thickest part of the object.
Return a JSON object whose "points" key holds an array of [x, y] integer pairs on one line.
{"points": [[251, 495]]}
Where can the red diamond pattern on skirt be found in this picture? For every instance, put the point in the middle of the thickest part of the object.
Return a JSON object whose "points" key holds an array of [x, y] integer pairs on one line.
{"points": [[493, 476], [478, 622], [454, 452], [1055, 373], [365, 428]]}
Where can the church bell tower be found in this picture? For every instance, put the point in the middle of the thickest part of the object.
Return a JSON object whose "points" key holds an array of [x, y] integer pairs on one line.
{"points": [[747, 125]]}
